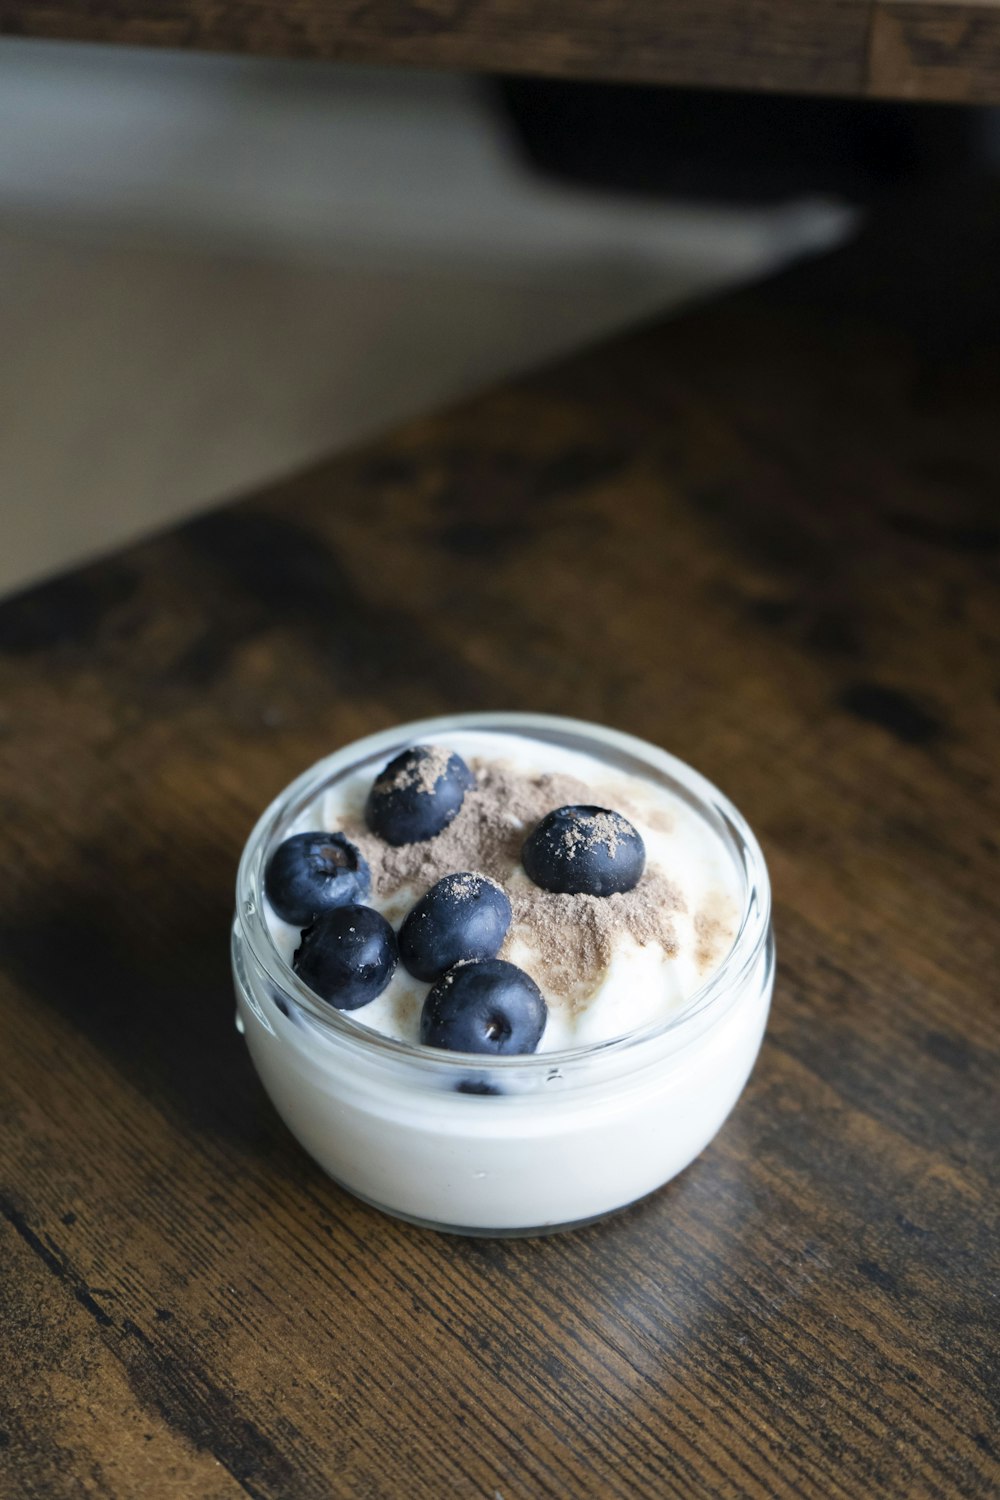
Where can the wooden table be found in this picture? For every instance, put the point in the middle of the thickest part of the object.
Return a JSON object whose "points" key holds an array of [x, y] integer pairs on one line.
{"points": [[891, 49], [765, 535]]}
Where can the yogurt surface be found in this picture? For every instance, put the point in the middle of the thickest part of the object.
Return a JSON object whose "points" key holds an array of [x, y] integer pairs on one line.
{"points": [[638, 973]]}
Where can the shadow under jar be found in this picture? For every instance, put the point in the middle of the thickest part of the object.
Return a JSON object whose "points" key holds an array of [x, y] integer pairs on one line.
{"points": [[516, 1144]]}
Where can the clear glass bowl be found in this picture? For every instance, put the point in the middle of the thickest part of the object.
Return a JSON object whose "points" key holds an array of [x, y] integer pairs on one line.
{"points": [[505, 1145]]}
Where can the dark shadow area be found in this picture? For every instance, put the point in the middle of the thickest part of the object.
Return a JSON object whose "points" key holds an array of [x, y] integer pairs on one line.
{"points": [[155, 998], [743, 148]]}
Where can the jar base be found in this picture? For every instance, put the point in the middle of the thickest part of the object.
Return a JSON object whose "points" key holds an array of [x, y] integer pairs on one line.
{"points": [[536, 1232]]}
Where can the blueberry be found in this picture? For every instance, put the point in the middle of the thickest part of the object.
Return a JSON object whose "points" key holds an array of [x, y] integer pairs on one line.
{"points": [[489, 1006], [587, 851], [313, 872], [461, 917], [417, 794], [477, 1086], [347, 955]]}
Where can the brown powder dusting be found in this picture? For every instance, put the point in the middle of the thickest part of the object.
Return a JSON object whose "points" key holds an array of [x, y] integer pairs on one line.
{"points": [[424, 773], [606, 828], [714, 930], [642, 811], [468, 884], [571, 938], [405, 1010], [485, 836], [659, 820]]}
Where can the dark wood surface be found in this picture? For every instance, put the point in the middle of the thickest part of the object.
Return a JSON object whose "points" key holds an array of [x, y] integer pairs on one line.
{"points": [[765, 535], [921, 49], [935, 49]]}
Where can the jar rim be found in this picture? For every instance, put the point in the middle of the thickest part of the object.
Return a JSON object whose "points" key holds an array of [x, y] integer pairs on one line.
{"points": [[723, 982]]}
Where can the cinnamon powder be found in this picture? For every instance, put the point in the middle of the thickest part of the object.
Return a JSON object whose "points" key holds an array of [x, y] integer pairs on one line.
{"points": [[571, 937]]}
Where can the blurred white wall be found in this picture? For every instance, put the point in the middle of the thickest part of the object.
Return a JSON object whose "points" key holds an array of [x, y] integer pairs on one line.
{"points": [[213, 270]]}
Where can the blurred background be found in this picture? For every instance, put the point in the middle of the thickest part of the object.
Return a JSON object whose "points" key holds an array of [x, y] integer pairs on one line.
{"points": [[214, 270]]}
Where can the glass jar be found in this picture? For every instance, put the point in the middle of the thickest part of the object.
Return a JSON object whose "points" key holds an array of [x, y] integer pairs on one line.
{"points": [[504, 1145]]}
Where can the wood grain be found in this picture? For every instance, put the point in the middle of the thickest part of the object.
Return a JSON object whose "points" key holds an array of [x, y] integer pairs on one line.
{"points": [[945, 50], [936, 49], [818, 46], [766, 536]]}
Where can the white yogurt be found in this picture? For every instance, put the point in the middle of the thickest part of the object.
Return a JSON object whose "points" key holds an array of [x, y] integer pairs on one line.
{"points": [[568, 1135], [642, 984]]}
